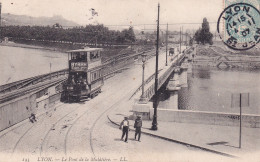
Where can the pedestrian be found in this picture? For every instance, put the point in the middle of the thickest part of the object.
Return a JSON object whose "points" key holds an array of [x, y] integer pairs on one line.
{"points": [[32, 118], [125, 125], [138, 126]]}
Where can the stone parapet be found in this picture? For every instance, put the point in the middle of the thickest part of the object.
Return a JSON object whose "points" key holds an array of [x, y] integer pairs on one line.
{"points": [[204, 117]]}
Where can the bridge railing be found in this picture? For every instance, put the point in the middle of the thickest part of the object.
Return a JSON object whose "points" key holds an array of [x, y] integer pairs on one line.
{"points": [[150, 91]]}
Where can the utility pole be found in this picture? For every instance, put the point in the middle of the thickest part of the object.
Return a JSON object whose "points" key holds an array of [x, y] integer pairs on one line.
{"points": [[180, 39], [182, 33], [154, 124], [166, 64], [186, 39]]}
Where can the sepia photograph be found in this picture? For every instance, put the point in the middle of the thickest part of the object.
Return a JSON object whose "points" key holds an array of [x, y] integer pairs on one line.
{"points": [[129, 81]]}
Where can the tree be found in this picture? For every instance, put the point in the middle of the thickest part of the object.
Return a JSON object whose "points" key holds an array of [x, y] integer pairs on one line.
{"points": [[203, 35], [87, 34]]}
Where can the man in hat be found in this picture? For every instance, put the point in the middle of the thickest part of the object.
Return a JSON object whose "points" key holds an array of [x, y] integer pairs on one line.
{"points": [[125, 125], [138, 126]]}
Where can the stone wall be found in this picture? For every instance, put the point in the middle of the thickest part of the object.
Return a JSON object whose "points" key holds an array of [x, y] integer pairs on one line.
{"points": [[201, 117], [19, 109]]}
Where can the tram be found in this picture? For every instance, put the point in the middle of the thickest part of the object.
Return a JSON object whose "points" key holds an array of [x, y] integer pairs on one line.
{"points": [[85, 74]]}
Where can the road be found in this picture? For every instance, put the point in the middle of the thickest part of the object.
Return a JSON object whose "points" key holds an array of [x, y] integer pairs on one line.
{"points": [[83, 130]]}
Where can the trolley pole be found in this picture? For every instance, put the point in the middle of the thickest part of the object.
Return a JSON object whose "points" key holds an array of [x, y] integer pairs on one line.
{"points": [[166, 64], [154, 124]]}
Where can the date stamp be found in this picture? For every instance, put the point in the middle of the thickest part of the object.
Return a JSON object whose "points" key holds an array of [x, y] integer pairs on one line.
{"points": [[239, 26]]}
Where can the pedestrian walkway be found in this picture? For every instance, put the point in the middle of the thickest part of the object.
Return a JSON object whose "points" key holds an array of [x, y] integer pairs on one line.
{"points": [[223, 139], [214, 138]]}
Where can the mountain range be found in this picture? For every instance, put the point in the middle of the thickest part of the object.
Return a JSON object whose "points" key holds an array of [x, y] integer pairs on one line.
{"points": [[11, 19]]}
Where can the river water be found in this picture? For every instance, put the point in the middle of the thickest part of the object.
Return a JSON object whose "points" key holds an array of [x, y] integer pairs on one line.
{"points": [[211, 89], [20, 63]]}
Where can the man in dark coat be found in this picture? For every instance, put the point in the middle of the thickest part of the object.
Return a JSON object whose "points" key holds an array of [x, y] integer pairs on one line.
{"points": [[138, 126], [125, 125]]}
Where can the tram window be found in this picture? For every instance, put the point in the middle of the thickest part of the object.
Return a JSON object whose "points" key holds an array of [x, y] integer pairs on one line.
{"points": [[73, 56], [94, 55]]}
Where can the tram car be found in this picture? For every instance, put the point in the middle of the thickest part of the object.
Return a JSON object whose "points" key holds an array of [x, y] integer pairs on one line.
{"points": [[85, 74]]}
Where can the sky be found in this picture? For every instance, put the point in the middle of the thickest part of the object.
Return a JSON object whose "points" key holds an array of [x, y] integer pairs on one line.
{"points": [[123, 12]]}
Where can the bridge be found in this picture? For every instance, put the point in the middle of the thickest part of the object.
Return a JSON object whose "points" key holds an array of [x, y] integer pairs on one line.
{"points": [[40, 93], [173, 77], [231, 61]]}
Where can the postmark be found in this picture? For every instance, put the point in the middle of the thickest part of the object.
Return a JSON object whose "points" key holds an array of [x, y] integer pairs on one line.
{"points": [[239, 26]]}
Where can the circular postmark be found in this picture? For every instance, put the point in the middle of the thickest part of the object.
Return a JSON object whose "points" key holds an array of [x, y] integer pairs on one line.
{"points": [[239, 26]]}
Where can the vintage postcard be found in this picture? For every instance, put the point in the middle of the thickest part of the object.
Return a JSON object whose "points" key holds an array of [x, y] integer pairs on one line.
{"points": [[129, 80]]}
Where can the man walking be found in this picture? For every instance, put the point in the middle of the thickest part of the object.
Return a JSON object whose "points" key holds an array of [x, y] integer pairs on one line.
{"points": [[138, 126], [125, 125]]}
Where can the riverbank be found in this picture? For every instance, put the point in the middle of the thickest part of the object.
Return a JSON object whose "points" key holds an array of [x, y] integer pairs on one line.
{"points": [[13, 44]]}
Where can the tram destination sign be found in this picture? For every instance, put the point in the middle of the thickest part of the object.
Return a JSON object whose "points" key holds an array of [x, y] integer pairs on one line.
{"points": [[79, 66]]}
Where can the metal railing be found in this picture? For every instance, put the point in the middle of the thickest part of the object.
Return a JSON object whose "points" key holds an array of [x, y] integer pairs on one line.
{"points": [[149, 92]]}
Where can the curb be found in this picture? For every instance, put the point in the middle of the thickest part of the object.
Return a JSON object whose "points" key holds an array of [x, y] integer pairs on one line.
{"points": [[180, 142]]}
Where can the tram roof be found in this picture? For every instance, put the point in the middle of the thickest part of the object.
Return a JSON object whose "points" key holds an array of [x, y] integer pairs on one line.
{"points": [[85, 50]]}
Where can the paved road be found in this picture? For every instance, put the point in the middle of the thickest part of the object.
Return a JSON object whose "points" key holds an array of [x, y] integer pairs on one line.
{"points": [[82, 129]]}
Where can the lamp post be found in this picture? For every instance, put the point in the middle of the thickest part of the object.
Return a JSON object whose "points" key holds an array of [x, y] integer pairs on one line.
{"points": [[143, 99], [154, 124]]}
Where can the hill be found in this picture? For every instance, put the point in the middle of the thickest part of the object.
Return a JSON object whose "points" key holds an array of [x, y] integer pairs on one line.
{"points": [[11, 19]]}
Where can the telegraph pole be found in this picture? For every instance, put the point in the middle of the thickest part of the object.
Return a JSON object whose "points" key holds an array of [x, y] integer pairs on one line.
{"points": [[180, 39], [154, 124], [182, 33], [186, 39], [166, 64]]}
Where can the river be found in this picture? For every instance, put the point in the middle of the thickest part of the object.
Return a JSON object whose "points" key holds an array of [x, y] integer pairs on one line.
{"points": [[210, 89], [20, 63]]}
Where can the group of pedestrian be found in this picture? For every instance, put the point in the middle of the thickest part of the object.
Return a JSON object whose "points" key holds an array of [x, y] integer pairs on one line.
{"points": [[125, 128]]}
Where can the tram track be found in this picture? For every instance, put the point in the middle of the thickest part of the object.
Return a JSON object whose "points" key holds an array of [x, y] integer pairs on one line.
{"points": [[21, 137], [46, 135], [95, 112], [50, 125], [97, 119]]}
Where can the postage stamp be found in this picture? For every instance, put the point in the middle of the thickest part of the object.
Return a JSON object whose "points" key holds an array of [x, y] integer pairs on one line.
{"points": [[239, 26]]}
